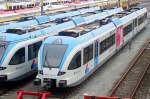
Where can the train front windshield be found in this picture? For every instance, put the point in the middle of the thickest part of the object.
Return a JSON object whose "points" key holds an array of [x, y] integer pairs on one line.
{"points": [[3, 47], [53, 55]]}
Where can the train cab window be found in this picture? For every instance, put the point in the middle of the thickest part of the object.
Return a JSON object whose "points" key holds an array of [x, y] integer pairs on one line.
{"points": [[33, 50], [76, 62], [18, 58], [127, 29], [54, 57], [106, 44], [88, 54]]}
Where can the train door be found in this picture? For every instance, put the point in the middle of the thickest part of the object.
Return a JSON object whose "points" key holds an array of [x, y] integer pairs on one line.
{"points": [[145, 18], [88, 58], [75, 69], [135, 30], [18, 63], [119, 37], [32, 55], [141, 23]]}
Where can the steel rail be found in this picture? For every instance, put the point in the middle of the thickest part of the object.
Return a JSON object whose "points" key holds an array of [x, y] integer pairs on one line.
{"points": [[131, 65], [142, 75]]}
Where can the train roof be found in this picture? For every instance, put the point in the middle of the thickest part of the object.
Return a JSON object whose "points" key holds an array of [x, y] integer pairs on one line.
{"points": [[132, 14], [118, 19], [28, 21], [23, 33], [90, 31]]}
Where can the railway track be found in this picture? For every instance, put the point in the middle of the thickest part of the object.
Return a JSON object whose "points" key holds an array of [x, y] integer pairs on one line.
{"points": [[144, 89], [10, 87], [58, 94], [131, 80]]}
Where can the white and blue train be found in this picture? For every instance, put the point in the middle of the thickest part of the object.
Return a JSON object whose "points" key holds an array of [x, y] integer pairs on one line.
{"points": [[35, 20], [69, 58], [19, 47]]}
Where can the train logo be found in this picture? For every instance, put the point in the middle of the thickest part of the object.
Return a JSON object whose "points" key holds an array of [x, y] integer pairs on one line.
{"points": [[119, 37], [87, 69], [34, 64]]}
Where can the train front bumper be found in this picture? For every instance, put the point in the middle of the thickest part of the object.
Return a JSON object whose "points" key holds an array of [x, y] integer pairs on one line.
{"points": [[50, 83]]}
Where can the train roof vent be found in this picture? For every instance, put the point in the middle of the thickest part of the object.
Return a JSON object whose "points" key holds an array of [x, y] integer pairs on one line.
{"points": [[68, 33], [105, 21], [16, 31], [62, 20], [25, 19]]}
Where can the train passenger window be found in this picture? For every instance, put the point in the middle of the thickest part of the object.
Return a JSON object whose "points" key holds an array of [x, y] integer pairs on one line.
{"points": [[145, 15], [14, 7], [33, 50], [76, 62], [107, 43], [135, 23], [140, 20], [88, 54], [96, 48], [10, 7], [127, 29], [17, 7], [18, 58], [21, 6]]}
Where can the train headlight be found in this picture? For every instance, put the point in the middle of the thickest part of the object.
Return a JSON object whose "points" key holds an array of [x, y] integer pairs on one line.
{"points": [[40, 72], [3, 68], [37, 81], [62, 83], [61, 73], [3, 77]]}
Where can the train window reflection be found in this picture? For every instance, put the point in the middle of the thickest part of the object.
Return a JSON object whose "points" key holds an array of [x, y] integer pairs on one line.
{"points": [[2, 50], [76, 62]]}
